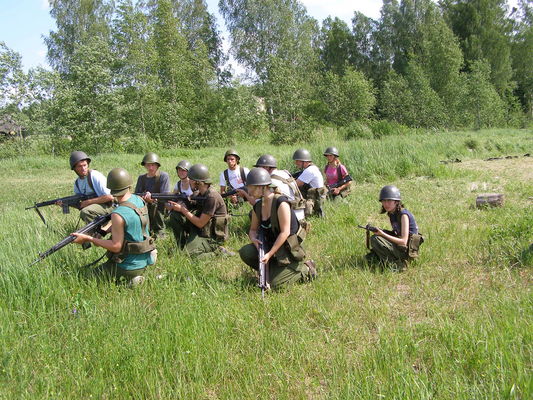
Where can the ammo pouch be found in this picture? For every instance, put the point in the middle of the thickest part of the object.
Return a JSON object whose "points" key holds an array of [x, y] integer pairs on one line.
{"points": [[216, 228], [128, 248], [292, 249], [413, 244]]}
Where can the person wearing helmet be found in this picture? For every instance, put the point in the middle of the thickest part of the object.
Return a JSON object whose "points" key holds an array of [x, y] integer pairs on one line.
{"points": [[154, 181], [337, 177], [399, 245], [285, 183], [281, 232], [183, 186], [201, 232], [234, 177], [90, 182], [130, 247], [310, 182]]}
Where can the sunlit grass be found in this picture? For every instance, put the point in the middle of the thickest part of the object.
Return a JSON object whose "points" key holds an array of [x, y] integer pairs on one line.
{"points": [[455, 325]]}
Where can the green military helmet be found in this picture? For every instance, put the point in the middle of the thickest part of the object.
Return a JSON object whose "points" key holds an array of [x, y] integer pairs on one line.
{"points": [[258, 177], [119, 181], [331, 151], [76, 157], [266, 160], [150, 158], [232, 152], [389, 192], [184, 164], [200, 173], [302, 155]]}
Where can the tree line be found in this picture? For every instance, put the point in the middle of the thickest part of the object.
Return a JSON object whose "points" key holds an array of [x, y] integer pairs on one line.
{"points": [[136, 73]]}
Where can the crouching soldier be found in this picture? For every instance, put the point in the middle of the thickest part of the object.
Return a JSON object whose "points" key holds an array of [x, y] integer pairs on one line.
{"points": [[399, 245], [90, 183], [154, 181], [130, 249], [337, 178], [282, 235], [201, 233], [311, 183]]}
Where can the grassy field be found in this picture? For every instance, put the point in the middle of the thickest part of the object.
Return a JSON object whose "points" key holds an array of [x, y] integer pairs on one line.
{"points": [[455, 325]]}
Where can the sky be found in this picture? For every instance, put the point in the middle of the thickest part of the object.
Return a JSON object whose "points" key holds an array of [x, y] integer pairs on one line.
{"points": [[25, 22]]}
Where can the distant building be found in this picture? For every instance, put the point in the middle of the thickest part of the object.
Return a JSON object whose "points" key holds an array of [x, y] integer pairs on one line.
{"points": [[9, 128]]}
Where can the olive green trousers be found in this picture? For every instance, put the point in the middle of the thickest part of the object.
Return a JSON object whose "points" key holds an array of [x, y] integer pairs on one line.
{"points": [[389, 252], [278, 275], [89, 213], [188, 237]]}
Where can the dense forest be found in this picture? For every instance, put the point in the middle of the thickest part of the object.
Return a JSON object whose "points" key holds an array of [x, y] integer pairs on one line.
{"points": [[132, 74]]}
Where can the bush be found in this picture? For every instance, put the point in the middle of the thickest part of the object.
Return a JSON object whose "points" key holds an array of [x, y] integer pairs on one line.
{"points": [[387, 128], [356, 130]]}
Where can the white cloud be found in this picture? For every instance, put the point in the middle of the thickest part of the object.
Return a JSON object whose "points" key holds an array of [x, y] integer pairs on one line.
{"points": [[45, 5]]}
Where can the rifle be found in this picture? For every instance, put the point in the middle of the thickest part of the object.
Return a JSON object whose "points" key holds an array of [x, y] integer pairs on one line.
{"points": [[233, 192], [263, 267], [296, 175], [368, 227], [66, 202], [89, 229], [344, 180], [175, 197]]}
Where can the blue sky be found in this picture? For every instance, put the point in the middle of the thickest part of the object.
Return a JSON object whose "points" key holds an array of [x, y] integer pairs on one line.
{"points": [[25, 22]]}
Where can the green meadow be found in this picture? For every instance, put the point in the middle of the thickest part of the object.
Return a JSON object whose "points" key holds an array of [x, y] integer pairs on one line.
{"points": [[457, 324]]}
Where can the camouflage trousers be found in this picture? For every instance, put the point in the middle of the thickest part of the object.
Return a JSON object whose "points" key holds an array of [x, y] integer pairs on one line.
{"points": [[89, 213], [389, 252], [278, 275], [188, 237]]}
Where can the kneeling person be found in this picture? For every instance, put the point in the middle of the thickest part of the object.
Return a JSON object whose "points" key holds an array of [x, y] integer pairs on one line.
{"points": [[154, 181], [90, 183], [200, 233], [401, 244], [282, 235], [131, 249]]}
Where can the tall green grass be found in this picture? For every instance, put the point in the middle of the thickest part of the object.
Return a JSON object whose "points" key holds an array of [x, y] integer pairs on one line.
{"points": [[455, 325]]}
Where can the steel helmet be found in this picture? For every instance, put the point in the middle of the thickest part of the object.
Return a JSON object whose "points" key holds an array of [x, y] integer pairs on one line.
{"points": [[76, 157], [184, 164], [150, 158], [266, 160], [119, 181], [258, 177], [232, 152], [200, 173], [331, 151], [301, 155], [389, 192]]}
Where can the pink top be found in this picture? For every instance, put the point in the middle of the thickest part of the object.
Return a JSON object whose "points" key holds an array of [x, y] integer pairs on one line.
{"points": [[331, 174]]}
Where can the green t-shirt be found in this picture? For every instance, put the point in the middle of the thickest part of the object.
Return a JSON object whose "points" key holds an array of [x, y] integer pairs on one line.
{"points": [[133, 233]]}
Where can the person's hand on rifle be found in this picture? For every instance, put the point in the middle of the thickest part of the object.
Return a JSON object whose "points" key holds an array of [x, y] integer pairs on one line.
{"points": [[85, 203], [233, 199], [173, 206], [335, 191], [59, 203], [266, 258], [148, 198], [81, 238]]}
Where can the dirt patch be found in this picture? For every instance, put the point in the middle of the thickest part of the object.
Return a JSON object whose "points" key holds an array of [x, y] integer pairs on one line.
{"points": [[514, 168]]}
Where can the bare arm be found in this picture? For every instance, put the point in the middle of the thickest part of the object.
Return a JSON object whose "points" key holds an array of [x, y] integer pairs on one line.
{"points": [[284, 218], [117, 239], [404, 236], [106, 198]]}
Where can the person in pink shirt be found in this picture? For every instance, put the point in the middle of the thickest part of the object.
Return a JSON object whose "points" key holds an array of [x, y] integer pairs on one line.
{"points": [[338, 180]]}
